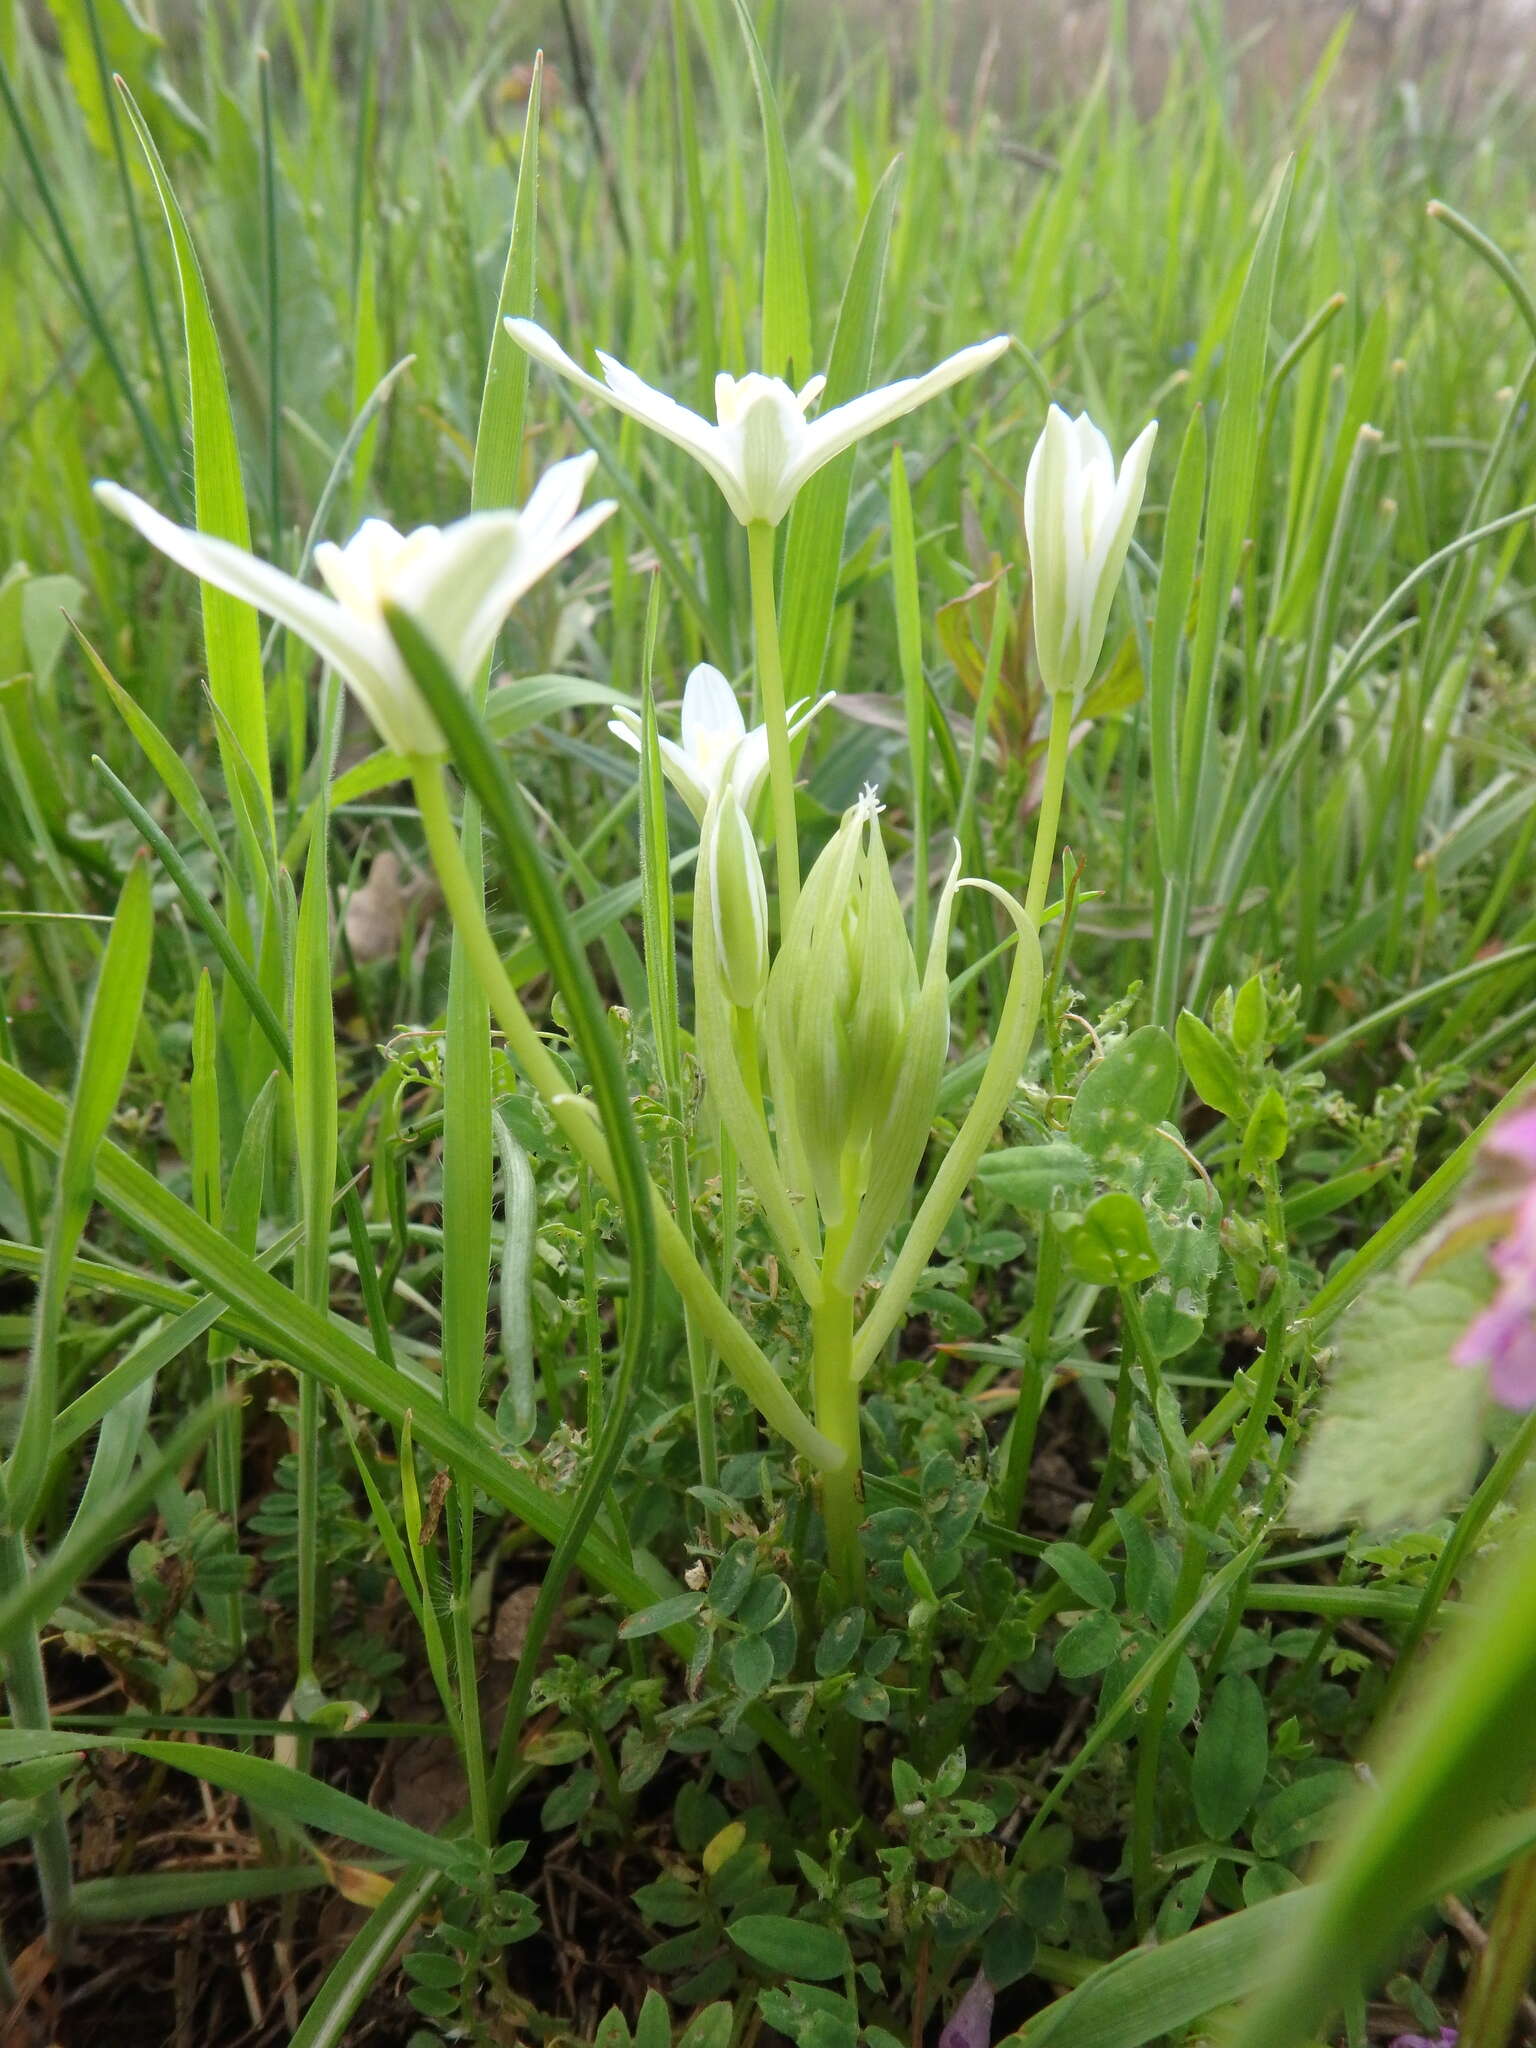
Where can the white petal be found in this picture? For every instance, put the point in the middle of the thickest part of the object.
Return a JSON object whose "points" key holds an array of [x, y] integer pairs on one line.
{"points": [[353, 573], [684, 777], [360, 651], [625, 726], [632, 395], [1093, 447], [827, 437], [800, 716], [320, 620], [1116, 541], [766, 446], [711, 715], [445, 586], [683, 774], [1078, 594], [532, 561], [1045, 493], [558, 493], [749, 768], [684, 428]]}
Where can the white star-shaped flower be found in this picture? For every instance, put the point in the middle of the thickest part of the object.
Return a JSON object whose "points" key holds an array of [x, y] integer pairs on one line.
{"points": [[760, 448], [717, 746], [457, 582]]}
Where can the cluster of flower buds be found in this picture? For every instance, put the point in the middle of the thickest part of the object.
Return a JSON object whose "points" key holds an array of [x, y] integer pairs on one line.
{"points": [[856, 1038]]}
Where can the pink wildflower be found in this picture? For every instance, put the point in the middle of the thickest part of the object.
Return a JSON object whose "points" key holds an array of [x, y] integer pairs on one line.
{"points": [[1503, 1337]]}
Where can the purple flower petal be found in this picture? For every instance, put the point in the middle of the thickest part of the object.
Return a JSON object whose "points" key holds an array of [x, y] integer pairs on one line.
{"points": [[1494, 1332], [970, 2024], [1512, 1373], [1515, 1137]]}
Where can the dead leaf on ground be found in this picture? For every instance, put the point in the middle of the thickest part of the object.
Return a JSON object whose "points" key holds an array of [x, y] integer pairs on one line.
{"points": [[377, 913]]}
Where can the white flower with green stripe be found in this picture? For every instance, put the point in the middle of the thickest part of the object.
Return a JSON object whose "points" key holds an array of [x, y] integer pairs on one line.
{"points": [[761, 447], [457, 582], [1078, 516], [717, 744]]}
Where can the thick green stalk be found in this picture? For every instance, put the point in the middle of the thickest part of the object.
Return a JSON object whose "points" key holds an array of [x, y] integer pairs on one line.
{"points": [[1503, 1971], [837, 1416], [467, 1114], [1050, 805], [770, 679]]}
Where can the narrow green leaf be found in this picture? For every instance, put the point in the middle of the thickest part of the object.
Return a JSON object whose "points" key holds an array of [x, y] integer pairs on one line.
{"points": [[203, 913], [1233, 467], [230, 632], [270, 1788], [367, 1955], [314, 1066], [499, 435], [786, 299], [490, 785], [914, 690], [1175, 581], [271, 1316], [101, 1901], [517, 1411], [813, 547], [111, 1023]]}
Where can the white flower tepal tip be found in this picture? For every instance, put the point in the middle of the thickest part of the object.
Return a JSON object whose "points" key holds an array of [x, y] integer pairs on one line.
{"points": [[717, 747], [1078, 517], [760, 448], [457, 582]]}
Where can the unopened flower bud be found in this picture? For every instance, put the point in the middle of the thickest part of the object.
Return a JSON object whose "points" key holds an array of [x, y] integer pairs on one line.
{"points": [[738, 900], [1078, 517]]}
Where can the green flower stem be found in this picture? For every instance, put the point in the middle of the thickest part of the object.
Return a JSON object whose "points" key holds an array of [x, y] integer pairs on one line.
{"points": [[583, 1133], [1503, 1971], [701, 1359], [748, 1057], [837, 1416], [1062, 706], [770, 677], [307, 1540], [1149, 1748], [1019, 1452], [1207, 1513], [26, 1689], [1116, 1455]]}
